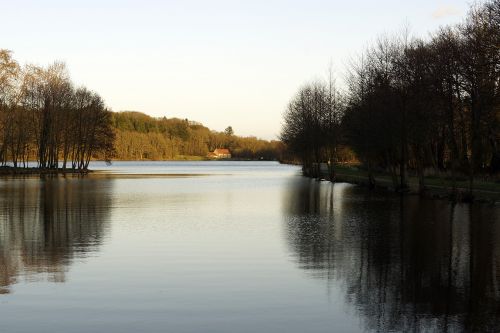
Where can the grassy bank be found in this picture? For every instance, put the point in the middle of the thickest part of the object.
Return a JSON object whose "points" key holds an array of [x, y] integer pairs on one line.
{"points": [[441, 187]]}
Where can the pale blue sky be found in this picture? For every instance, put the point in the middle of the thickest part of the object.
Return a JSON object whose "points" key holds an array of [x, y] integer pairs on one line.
{"points": [[218, 62]]}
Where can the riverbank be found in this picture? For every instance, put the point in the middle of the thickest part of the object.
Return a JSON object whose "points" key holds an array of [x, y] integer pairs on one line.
{"points": [[436, 187], [20, 171]]}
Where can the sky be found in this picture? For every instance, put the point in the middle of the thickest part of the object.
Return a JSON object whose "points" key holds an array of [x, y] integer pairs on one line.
{"points": [[220, 62]]}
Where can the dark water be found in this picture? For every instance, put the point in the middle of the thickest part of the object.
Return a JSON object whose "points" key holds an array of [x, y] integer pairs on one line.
{"points": [[240, 247]]}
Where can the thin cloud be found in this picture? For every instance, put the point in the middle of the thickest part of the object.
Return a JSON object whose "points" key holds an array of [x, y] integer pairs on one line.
{"points": [[445, 11]]}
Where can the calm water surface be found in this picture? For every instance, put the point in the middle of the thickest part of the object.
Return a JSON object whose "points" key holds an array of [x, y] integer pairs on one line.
{"points": [[239, 247]]}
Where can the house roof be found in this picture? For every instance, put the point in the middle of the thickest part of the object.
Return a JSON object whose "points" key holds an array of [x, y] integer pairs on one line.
{"points": [[221, 151]]}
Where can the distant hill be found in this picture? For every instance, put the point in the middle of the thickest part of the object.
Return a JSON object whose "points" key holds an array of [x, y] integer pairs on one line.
{"points": [[142, 137]]}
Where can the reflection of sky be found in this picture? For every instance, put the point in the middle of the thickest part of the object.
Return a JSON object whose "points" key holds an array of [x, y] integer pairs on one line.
{"points": [[267, 251], [219, 62], [217, 252], [187, 254]]}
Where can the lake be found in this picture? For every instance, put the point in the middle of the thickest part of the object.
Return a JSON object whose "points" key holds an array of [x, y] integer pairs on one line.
{"points": [[239, 247]]}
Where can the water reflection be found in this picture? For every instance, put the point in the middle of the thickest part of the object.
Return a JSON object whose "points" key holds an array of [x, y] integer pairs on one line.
{"points": [[45, 224], [405, 264]]}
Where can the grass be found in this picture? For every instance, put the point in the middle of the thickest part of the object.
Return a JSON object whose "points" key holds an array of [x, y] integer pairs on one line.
{"points": [[484, 190]]}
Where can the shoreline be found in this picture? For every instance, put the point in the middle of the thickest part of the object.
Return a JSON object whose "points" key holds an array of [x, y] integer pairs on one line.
{"points": [[432, 192], [435, 188], [21, 171]]}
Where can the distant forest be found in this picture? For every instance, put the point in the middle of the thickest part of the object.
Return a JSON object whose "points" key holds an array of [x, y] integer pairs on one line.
{"points": [[139, 137], [409, 105]]}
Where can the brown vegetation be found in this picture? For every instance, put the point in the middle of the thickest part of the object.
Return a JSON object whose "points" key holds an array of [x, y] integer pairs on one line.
{"points": [[43, 117], [141, 137]]}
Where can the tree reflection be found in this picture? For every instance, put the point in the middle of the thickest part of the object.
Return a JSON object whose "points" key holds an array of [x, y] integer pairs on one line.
{"points": [[407, 264], [45, 224]]}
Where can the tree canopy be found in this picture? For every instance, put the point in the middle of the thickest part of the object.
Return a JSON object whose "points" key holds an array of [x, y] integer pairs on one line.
{"points": [[44, 117], [410, 104]]}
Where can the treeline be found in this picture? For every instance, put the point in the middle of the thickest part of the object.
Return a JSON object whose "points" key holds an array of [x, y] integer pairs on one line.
{"points": [[411, 105], [141, 137], [44, 117]]}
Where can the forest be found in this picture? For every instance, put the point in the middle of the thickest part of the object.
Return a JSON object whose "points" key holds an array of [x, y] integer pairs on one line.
{"points": [[142, 137], [409, 105]]}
